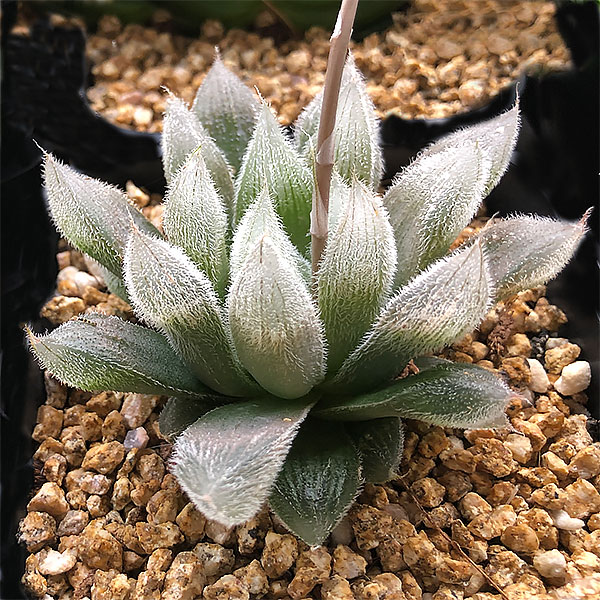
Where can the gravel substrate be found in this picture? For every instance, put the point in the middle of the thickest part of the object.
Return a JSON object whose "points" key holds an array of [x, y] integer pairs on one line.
{"points": [[439, 58], [512, 514]]}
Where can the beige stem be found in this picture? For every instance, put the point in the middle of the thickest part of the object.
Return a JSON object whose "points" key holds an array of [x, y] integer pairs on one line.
{"points": [[324, 158]]}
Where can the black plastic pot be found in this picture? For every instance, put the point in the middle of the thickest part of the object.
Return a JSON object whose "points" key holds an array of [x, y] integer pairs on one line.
{"points": [[553, 172]]}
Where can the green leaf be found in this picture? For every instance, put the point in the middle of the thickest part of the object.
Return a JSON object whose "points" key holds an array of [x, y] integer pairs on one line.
{"points": [[271, 161], [95, 352], [439, 306], [183, 134], [431, 202], [94, 216], [380, 443], [356, 272], [496, 139], [443, 393], [318, 483], [527, 251], [179, 413], [227, 109], [170, 293], [275, 325], [259, 220], [195, 220], [227, 461]]}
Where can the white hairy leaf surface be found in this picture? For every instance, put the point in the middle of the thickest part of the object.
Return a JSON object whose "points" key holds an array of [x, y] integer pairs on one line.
{"points": [[274, 322], [431, 201], [496, 139], [227, 109], [95, 217], [183, 134], [319, 481], [96, 352], [259, 220], [194, 219], [356, 272], [272, 161], [527, 251], [440, 305], [228, 460], [307, 124], [442, 393], [169, 292]]}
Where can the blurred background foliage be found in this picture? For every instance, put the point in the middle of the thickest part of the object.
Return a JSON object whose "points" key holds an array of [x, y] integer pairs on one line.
{"points": [[187, 15]]}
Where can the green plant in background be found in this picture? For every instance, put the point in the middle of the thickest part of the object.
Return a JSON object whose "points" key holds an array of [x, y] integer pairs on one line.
{"points": [[284, 384]]}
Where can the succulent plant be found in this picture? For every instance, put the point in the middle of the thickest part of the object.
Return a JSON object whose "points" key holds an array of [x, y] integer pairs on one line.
{"points": [[287, 386]]}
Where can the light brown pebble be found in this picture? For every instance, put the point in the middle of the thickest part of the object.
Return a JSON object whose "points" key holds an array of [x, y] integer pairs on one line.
{"points": [[559, 357], [73, 523], [347, 563], [36, 530], [586, 463], [185, 578], [98, 549], [55, 468], [148, 585], [582, 500], [162, 507], [61, 309], [279, 554], [49, 423], [160, 559], [254, 578], [50, 499], [137, 408], [519, 446], [215, 559], [163, 535], [51, 562], [493, 456], [104, 403], [104, 458], [428, 492], [251, 534], [492, 525], [520, 538], [191, 522], [336, 588], [227, 587]]}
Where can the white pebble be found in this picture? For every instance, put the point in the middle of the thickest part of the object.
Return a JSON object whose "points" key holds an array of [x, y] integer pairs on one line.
{"points": [[574, 378], [550, 564], [539, 378], [562, 520], [55, 563], [555, 342]]}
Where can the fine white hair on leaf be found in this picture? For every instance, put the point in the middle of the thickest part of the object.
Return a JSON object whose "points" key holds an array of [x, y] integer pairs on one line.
{"points": [[356, 272], [272, 159], [227, 109], [169, 292], [194, 219], [95, 217], [96, 352], [229, 459], [431, 201], [496, 138], [440, 305], [183, 134], [261, 219], [527, 251], [275, 324]]}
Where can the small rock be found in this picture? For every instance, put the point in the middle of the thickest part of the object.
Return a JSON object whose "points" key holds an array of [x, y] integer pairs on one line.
{"points": [[539, 378], [49, 423], [551, 564], [51, 562], [185, 578], [336, 588], [519, 446], [582, 500], [347, 563], [574, 378], [279, 554], [61, 309], [55, 468], [163, 535], [520, 538], [227, 587], [215, 559], [137, 408], [559, 357], [50, 499], [492, 525], [254, 578], [73, 523], [586, 463], [191, 522], [37, 530], [136, 438], [162, 507], [518, 345], [562, 520], [428, 491], [104, 458]]}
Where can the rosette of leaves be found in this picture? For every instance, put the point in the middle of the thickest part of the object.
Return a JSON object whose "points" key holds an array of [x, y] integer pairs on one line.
{"points": [[284, 385]]}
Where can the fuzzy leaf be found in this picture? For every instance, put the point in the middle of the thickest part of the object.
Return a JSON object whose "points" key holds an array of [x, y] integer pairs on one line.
{"points": [[443, 393], [183, 134], [356, 133], [169, 292], [307, 124], [228, 460], [259, 220], [496, 138], [380, 443], [318, 483], [195, 220], [440, 305], [179, 413], [272, 161], [527, 251], [431, 202], [227, 109], [274, 323], [356, 272], [94, 216], [95, 352]]}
